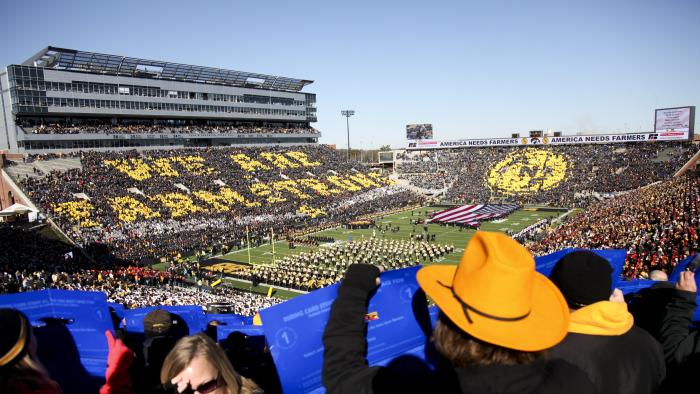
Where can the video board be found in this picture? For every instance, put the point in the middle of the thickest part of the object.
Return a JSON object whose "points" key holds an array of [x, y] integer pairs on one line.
{"points": [[419, 131]]}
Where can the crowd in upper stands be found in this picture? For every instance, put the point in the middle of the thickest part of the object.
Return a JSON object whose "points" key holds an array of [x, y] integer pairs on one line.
{"points": [[161, 203], [325, 266], [658, 225], [478, 175], [149, 127]]}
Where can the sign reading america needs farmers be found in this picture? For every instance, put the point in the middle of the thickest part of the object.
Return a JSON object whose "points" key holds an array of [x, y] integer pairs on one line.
{"points": [[533, 141]]}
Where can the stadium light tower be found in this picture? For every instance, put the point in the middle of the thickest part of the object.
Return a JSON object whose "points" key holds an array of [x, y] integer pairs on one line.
{"points": [[348, 113]]}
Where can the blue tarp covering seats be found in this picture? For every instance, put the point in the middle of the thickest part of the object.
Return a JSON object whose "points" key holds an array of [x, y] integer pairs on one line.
{"points": [[616, 258], [70, 330]]}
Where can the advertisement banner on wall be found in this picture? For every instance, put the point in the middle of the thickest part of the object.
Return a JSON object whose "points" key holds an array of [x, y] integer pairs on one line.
{"points": [[566, 140]]}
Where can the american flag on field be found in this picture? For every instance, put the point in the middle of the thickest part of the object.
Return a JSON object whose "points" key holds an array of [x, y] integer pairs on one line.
{"points": [[472, 214]]}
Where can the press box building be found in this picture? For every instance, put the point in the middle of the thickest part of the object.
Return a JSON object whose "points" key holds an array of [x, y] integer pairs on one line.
{"points": [[77, 87]]}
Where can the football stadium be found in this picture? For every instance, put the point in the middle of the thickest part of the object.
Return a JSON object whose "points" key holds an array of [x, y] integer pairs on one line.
{"points": [[154, 213]]}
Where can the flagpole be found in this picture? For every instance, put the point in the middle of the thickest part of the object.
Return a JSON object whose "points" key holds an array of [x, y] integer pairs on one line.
{"points": [[247, 236], [272, 232]]}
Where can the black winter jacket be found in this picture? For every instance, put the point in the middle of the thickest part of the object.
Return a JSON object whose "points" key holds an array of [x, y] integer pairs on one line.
{"points": [[681, 343], [629, 363], [678, 340]]}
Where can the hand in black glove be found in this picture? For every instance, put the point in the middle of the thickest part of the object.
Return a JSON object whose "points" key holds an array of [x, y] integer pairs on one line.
{"points": [[362, 276]]}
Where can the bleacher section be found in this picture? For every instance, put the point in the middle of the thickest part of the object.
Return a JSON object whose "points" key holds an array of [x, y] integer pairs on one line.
{"points": [[162, 203], [96, 126], [563, 175], [659, 226]]}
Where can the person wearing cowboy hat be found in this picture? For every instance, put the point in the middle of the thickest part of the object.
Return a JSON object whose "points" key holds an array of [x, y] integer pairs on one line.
{"points": [[603, 340], [498, 316]]}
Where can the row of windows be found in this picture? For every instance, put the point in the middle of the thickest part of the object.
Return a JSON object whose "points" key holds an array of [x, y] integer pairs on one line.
{"points": [[118, 143], [85, 144], [145, 91], [26, 72], [20, 101]]}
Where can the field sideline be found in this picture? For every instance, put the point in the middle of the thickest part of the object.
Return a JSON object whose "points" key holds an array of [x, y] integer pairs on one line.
{"points": [[444, 235]]}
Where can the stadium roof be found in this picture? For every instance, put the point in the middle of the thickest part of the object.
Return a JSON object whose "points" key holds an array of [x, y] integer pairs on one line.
{"points": [[98, 63]]}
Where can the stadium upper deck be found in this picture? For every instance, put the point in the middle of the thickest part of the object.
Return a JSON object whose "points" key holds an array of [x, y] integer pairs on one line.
{"points": [[61, 99]]}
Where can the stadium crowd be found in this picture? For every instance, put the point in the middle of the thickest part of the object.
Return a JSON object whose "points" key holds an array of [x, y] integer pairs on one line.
{"points": [[313, 270], [575, 334], [520, 173], [586, 338], [532, 232], [658, 225], [149, 127], [238, 302], [161, 203], [571, 333], [30, 261]]}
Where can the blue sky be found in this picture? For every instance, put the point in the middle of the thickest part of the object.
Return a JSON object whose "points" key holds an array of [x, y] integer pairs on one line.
{"points": [[472, 69]]}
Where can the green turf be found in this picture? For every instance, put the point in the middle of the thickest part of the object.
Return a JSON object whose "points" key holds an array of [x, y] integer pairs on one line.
{"points": [[261, 289], [444, 235], [246, 286]]}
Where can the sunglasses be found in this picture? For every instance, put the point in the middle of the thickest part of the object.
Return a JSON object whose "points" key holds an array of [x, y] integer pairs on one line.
{"points": [[206, 387]]}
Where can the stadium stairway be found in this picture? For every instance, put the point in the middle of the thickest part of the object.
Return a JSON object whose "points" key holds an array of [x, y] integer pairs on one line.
{"points": [[11, 175], [405, 183], [665, 155], [19, 170]]}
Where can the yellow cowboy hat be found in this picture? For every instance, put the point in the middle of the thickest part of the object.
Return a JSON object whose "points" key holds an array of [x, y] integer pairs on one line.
{"points": [[495, 295]]}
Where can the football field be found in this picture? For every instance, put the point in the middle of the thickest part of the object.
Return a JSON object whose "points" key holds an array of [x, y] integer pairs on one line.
{"points": [[443, 234], [449, 235]]}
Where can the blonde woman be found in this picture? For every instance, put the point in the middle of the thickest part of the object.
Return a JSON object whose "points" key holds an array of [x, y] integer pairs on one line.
{"points": [[198, 365]]}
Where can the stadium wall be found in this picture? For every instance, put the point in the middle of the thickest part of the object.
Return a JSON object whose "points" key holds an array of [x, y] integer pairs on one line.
{"points": [[10, 193], [8, 132]]}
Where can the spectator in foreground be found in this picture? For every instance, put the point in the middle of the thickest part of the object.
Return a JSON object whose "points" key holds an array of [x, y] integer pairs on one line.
{"points": [[658, 276], [617, 356], [498, 317], [681, 344], [198, 364], [648, 306], [119, 360], [20, 369], [160, 338], [195, 365]]}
